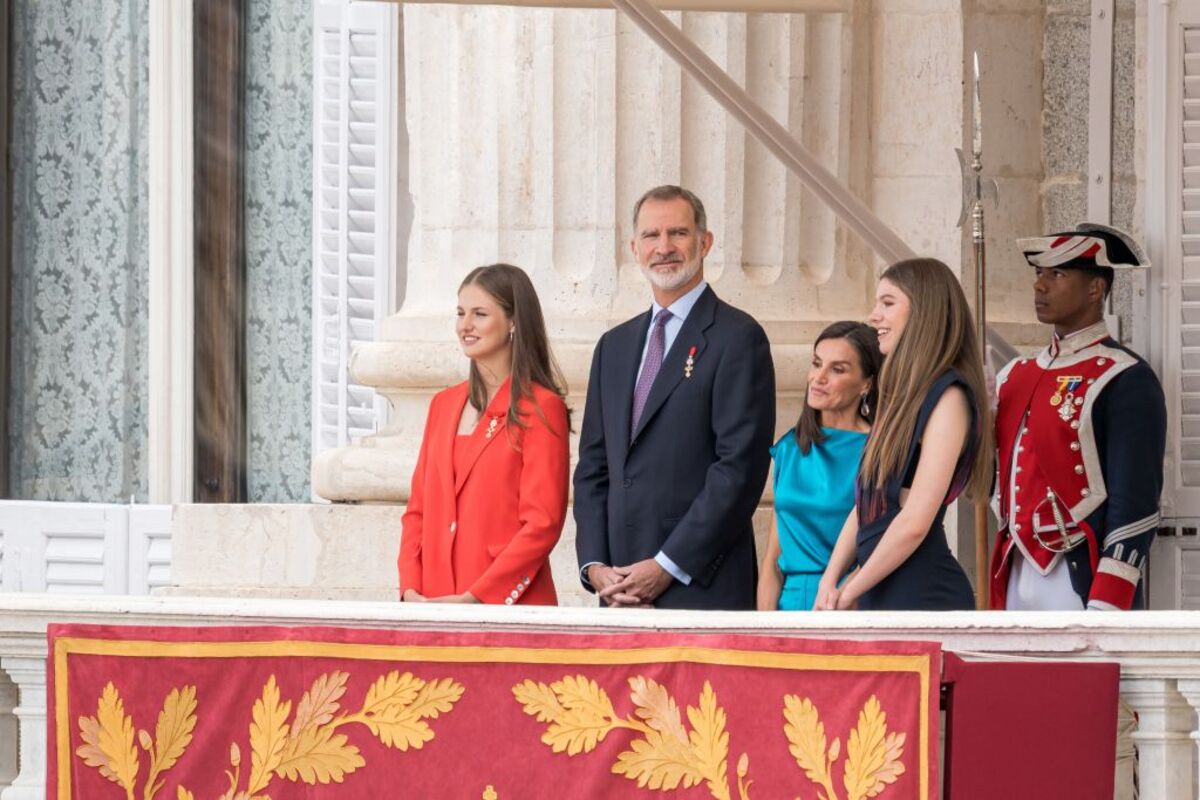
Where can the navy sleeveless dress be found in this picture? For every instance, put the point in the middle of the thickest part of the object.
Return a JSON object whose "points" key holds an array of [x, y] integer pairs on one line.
{"points": [[931, 579]]}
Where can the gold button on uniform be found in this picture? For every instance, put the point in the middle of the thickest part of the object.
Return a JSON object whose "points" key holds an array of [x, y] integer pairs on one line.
{"points": [[1079, 469], [1074, 447]]}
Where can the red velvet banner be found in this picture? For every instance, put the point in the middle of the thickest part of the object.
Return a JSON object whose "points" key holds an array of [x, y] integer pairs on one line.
{"points": [[242, 713]]}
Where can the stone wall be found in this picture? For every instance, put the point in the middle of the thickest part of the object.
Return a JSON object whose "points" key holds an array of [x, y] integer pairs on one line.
{"points": [[1065, 132]]}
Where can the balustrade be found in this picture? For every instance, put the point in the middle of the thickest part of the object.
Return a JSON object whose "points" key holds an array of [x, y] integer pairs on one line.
{"points": [[1157, 651]]}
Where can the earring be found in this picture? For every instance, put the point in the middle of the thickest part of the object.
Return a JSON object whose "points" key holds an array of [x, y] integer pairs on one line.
{"points": [[864, 408], [510, 334]]}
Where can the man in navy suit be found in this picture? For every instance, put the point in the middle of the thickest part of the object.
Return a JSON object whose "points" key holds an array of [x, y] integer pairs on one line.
{"points": [[680, 416]]}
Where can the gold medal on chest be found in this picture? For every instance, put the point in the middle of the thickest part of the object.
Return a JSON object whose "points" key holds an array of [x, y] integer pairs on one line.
{"points": [[690, 364], [1067, 384]]}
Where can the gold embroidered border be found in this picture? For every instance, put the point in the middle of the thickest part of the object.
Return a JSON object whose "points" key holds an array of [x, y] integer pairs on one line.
{"points": [[464, 654]]}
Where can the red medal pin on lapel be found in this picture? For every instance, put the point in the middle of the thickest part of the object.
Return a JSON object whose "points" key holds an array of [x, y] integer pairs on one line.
{"points": [[690, 364]]}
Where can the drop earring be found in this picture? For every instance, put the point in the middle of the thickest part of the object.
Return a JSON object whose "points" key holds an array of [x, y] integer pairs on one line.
{"points": [[864, 408]]}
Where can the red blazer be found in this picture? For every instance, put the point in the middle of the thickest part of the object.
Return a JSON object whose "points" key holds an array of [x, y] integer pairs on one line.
{"points": [[490, 530]]}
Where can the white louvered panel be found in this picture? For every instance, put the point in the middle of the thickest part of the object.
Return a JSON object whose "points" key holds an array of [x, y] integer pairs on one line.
{"points": [[93, 548], [1190, 162], [1181, 368], [149, 548], [75, 562], [83, 548], [1189, 584], [1189, 398], [355, 182]]}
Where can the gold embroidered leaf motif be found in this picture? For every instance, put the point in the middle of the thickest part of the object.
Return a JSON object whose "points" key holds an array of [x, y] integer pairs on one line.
{"points": [[318, 705], [183, 794], [391, 690], [872, 754], [806, 736], [579, 693], [268, 735], [436, 697], [576, 729], [710, 743], [108, 740], [538, 700], [654, 704], [173, 732], [587, 716], [318, 755], [656, 762], [89, 751], [172, 735], [397, 706]]}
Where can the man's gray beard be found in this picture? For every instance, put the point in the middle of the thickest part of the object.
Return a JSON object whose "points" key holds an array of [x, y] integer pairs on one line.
{"points": [[676, 279]]}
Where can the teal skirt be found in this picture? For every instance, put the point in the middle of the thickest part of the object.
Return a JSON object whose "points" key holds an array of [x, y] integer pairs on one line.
{"points": [[799, 591]]}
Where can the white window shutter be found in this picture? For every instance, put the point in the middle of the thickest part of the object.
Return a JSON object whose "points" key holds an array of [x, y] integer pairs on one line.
{"points": [[1181, 269], [149, 548], [356, 78], [75, 548]]}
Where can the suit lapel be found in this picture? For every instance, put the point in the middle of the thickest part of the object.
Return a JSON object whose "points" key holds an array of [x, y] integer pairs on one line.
{"points": [[691, 334], [447, 435], [480, 438]]}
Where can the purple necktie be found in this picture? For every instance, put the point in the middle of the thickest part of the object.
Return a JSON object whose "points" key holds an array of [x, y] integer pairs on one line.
{"points": [[654, 357]]}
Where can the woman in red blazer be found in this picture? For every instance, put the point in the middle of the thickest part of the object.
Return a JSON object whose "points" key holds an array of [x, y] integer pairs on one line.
{"points": [[489, 493]]}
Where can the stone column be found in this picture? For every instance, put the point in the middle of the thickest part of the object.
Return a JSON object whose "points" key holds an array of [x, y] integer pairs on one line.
{"points": [[1161, 738], [533, 131], [8, 732], [1190, 689], [29, 675]]}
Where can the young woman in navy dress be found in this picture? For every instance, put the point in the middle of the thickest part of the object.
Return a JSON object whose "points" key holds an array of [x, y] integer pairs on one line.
{"points": [[928, 445]]}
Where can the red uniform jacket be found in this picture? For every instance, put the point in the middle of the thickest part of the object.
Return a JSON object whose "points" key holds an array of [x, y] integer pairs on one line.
{"points": [[1089, 460], [488, 531]]}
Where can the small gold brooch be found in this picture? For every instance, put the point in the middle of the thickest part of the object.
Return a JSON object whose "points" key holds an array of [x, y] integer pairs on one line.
{"points": [[491, 428]]}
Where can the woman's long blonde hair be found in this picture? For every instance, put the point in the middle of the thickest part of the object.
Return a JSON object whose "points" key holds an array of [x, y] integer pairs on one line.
{"points": [[939, 336]]}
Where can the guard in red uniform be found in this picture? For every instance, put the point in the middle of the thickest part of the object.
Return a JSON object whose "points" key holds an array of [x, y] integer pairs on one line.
{"points": [[1080, 434]]}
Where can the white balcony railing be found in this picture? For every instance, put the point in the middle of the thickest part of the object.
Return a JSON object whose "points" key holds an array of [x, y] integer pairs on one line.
{"points": [[1159, 654]]}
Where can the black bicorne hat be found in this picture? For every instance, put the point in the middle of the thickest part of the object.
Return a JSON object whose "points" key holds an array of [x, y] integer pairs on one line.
{"points": [[1088, 246]]}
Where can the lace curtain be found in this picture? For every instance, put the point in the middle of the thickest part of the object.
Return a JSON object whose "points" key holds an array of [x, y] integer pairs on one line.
{"points": [[278, 248], [80, 86]]}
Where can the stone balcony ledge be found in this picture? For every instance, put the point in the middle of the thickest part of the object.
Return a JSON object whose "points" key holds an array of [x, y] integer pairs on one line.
{"points": [[1137, 640]]}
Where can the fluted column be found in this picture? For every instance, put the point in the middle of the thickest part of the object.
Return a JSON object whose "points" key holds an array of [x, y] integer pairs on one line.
{"points": [[29, 675], [1190, 689], [8, 732], [1162, 738], [531, 134]]}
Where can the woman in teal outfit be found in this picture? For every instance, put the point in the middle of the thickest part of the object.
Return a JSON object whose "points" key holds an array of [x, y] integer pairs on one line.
{"points": [[816, 465]]}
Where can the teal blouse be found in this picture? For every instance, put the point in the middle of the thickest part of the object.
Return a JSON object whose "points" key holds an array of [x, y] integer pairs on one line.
{"points": [[813, 496]]}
